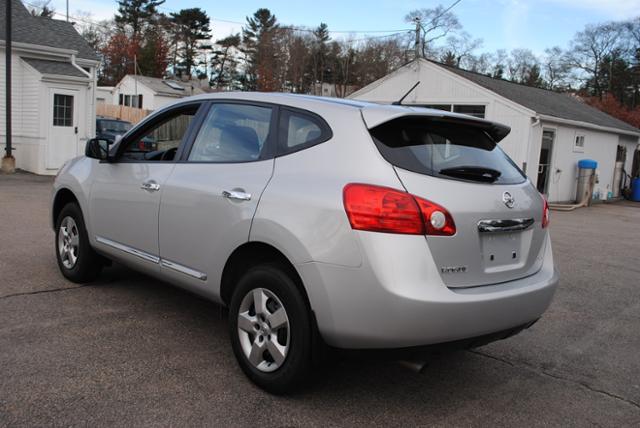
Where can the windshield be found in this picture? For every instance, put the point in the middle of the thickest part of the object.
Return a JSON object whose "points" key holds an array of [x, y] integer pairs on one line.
{"points": [[116, 126], [445, 149]]}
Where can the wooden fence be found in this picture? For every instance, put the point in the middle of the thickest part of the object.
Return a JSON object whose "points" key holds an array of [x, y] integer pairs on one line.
{"points": [[130, 114]]}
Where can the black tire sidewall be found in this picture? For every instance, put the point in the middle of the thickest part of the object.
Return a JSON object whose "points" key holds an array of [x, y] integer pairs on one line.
{"points": [[295, 368], [88, 265]]}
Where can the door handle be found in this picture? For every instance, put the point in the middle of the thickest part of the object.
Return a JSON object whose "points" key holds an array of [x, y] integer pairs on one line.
{"points": [[150, 186], [237, 195]]}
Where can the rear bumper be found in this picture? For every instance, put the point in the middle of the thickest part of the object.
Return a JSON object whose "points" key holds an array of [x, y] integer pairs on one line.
{"points": [[396, 298]]}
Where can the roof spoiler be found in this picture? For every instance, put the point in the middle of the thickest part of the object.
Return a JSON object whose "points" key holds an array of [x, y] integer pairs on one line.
{"points": [[375, 116]]}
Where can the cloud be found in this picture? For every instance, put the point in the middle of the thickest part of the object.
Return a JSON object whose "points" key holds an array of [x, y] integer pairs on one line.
{"points": [[221, 30], [514, 21], [97, 10]]}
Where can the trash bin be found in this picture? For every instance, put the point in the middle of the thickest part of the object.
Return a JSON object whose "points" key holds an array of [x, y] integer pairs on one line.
{"points": [[635, 189], [586, 170]]}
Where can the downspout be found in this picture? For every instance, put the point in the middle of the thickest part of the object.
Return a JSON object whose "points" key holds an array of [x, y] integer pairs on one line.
{"points": [[92, 92]]}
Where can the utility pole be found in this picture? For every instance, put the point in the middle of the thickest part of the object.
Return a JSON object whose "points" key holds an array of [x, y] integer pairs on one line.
{"points": [[418, 44], [67, 10], [8, 161]]}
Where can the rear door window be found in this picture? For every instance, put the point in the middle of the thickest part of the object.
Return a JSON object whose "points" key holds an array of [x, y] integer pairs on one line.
{"points": [[445, 149], [299, 130]]}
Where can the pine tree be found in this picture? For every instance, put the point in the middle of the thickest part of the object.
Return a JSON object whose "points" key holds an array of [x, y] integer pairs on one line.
{"points": [[223, 63], [135, 13], [190, 26], [321, 37], [260, 38]]}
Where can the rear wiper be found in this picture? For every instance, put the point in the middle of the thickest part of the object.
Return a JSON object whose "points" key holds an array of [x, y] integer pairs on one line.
{"points": [[474, 173]]}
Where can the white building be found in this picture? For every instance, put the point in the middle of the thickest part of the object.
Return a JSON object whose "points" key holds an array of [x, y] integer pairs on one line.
{"points": [[104, 94], [53, 84], [550, 132], [151, 93]]}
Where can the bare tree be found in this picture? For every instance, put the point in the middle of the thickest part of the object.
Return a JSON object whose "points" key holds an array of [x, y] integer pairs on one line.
{"points": [[556, 69], [520, 64], [460, 49], [42, 9], [589, 48], [436, 24]]}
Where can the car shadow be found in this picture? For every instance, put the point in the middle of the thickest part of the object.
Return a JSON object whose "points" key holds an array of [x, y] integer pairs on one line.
{"points": [[449, 372]]}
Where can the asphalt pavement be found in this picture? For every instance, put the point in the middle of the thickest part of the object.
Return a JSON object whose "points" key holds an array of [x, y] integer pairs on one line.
{"points": [[129, 350]]}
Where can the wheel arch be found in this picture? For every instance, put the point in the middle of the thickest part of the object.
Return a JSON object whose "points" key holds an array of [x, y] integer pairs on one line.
{"points": [[62, 197], [250, 254]]}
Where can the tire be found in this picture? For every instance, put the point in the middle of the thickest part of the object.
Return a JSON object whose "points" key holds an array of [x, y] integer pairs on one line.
{"points": [[77, 261], [271, 284]]}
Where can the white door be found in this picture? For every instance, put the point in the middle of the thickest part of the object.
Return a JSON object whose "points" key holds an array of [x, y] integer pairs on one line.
{"points": [[63, 127]]}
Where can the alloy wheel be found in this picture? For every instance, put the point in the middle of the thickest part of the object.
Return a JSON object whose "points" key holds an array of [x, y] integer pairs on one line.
{"points": [[263, 329], [68, 242]]}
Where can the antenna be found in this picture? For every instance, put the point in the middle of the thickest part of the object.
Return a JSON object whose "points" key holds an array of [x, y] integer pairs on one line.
{"points": [[399, 102]]}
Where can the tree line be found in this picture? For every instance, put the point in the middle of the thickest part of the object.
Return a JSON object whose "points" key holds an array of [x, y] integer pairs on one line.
{"points": [[601, 63]]}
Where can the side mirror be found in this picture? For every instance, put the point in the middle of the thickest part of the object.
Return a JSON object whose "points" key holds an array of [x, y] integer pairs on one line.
{"points": [[97, 148]]}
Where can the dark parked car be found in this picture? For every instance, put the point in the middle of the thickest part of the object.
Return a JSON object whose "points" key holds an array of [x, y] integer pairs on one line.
{"points": [[109, 129]]}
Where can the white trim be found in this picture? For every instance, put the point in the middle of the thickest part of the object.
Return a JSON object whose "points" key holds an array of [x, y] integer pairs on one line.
{"points": [[80, 69], [588, 125]]}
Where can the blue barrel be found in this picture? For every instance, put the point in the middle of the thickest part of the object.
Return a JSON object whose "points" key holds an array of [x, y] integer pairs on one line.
{"points": [[635, 189], [587, 164]]}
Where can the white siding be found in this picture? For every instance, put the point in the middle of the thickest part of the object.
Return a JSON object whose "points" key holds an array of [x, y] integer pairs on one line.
{"points": [[631, 144], [599, 146], [150, 100], [32, 116], [439, 86]]}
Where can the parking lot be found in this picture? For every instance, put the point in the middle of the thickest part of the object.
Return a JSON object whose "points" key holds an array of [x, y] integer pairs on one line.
{"points": [[130, 350]]}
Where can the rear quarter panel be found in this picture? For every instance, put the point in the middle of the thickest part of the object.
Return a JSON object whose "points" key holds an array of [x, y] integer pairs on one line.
{"points": [[301, 211]]}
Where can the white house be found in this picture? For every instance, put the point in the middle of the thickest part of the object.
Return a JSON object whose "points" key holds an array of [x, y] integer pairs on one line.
{"points": [[151, 93], [550, 131], [53, 85], [104, 94]]}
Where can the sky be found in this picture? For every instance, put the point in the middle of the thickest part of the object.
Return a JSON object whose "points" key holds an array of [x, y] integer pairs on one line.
{"points": [[501, 24]]}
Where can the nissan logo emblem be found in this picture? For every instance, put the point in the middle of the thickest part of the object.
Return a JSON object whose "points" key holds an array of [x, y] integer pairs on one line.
{"points": [[508, 200]]}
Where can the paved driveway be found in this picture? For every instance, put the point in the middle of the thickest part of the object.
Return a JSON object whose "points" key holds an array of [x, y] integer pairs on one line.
{"points": [[129, 350]]}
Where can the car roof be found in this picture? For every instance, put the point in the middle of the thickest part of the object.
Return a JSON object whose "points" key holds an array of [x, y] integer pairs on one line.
{"points": [[314, 101], [374, 114]]}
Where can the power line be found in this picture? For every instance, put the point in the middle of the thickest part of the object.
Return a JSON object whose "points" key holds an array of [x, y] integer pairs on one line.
{"points": [[284, 27], [454, 4]]}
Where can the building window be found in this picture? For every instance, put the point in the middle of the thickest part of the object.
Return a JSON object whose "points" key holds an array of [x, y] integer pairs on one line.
{"points": [[578, 144], [445, 107], [62, 110], [471, 110], [130, 100]]}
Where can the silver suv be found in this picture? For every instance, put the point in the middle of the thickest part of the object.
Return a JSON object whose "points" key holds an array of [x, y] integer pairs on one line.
{"points": [[317, 221]]}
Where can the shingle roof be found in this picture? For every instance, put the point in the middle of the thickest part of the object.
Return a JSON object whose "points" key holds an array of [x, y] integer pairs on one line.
{"points": [[160, 86], [544, 101], [44, 31], [54, 67]]}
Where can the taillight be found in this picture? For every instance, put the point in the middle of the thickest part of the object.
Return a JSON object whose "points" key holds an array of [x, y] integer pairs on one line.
{"points": [[437, 220], [545, 213], [382, 209]]}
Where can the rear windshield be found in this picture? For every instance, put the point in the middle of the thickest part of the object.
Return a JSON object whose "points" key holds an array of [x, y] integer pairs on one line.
{"points": [[445, 149]]}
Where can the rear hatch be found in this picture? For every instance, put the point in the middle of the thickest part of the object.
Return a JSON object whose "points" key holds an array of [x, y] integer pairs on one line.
{"points": [[455, 161]]}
